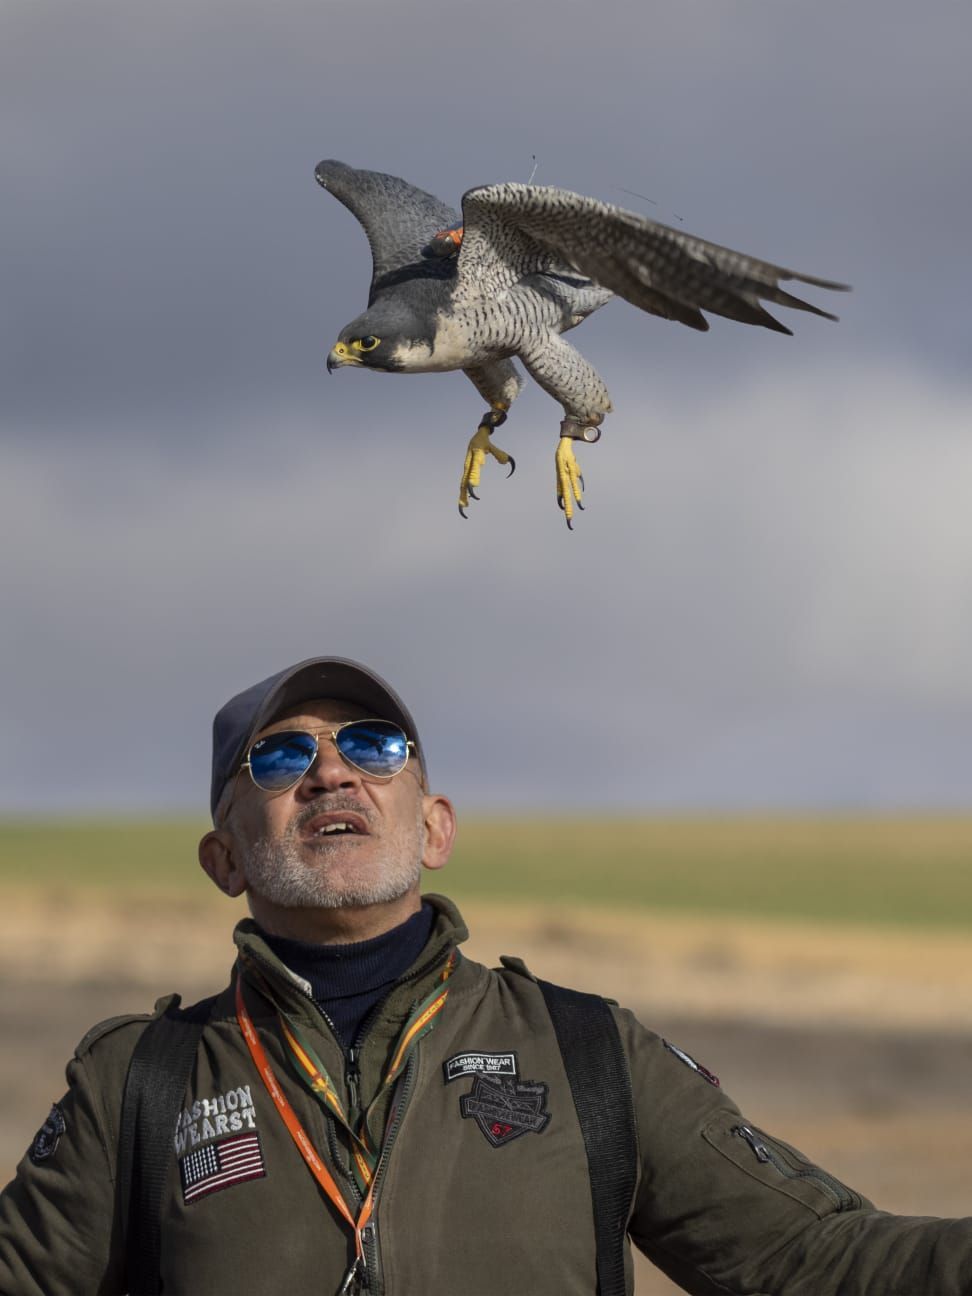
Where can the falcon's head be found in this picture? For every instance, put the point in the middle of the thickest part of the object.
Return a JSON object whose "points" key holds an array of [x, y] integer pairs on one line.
{"points": [[383, 338]]}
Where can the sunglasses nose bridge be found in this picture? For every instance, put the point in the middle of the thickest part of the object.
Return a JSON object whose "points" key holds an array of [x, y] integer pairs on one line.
{"points": [[328, 766]]}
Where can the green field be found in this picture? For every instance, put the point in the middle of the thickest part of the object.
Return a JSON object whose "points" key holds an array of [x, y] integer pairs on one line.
{"points": [[902, 871]]}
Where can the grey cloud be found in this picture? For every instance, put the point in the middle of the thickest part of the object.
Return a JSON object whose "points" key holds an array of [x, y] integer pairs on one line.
{"points": [[762, 590]]}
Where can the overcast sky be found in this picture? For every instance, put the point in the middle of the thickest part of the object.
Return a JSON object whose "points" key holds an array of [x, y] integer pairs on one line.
{"points": [[768, 602]]}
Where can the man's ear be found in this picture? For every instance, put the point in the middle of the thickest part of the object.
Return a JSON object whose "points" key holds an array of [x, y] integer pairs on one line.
{"points": [[440, 831], [218, 861]]}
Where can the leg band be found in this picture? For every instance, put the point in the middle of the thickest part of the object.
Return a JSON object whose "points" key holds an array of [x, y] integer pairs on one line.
{"points": [[578, 431]]}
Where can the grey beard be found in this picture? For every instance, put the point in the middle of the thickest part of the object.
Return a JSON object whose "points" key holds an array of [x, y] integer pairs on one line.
{"points": [[275, 870]]}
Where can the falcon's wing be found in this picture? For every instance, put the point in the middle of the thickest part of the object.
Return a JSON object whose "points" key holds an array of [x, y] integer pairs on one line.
{"points": [[398, 219], [512, 230]]}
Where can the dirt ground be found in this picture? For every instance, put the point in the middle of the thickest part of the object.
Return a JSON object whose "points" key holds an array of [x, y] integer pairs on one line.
{"points": [[853, 1044]]}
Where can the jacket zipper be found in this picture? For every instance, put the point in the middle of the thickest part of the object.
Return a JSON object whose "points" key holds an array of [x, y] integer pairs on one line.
{"points": [[369, 1279], [352, 1082], [372, 1260], [768, 1153], [352, 1072]]}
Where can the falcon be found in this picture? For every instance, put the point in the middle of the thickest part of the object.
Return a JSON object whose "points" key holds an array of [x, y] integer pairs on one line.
{"points": [[505, 280]]}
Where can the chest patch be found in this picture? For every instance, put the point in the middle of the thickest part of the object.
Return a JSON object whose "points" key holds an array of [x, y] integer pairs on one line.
{"points": [[220, 1114], [505, 1108], [463, 1064], [220, 1165]]}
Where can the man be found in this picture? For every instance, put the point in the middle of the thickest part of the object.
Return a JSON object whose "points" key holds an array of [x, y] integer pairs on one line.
{"points": [[368, 1111]]}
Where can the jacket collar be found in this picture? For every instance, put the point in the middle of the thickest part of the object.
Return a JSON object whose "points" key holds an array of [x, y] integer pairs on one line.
{"points": [[292, 993]]}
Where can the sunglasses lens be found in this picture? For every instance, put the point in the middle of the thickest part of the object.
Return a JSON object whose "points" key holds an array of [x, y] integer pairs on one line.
{"points": [[375, 746], [280, 759]]}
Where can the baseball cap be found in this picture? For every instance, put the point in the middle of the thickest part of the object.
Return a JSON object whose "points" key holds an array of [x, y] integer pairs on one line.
{"points": [[240, 720]]}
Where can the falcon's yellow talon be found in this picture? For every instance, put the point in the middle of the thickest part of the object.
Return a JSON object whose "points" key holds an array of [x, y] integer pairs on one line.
{"points": [[570, 484], [479, 447]]}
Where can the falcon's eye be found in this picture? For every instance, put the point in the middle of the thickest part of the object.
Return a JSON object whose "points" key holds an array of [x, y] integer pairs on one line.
{"points": [[366, 343]]}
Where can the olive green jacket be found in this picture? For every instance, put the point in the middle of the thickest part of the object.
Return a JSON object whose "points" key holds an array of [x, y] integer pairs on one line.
{"points": [[483, 1188]]}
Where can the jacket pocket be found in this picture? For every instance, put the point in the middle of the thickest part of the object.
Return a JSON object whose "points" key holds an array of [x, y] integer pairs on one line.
{"points": [[779, 1165]]}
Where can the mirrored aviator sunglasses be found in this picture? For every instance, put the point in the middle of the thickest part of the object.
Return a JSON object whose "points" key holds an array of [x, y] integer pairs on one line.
{"points": [[377, 748]]}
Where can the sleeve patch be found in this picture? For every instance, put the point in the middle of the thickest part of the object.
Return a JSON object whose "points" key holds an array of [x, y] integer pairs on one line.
{"points": [[689, 1061], [48, 1136]]}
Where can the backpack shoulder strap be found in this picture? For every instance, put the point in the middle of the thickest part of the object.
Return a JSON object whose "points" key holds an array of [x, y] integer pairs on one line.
{"points": [[154, 1089], [600, 1085]]}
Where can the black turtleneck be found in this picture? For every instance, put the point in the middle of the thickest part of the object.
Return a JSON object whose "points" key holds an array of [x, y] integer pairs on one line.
{"points": [[347, 981]]}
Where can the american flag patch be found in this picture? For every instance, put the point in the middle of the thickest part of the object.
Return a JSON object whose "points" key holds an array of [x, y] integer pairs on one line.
{"points": [[218, 1165]]}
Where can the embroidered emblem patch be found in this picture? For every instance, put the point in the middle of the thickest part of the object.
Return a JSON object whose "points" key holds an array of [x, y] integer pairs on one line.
{"points": [[504, 1108], [231, 1112], [48, 1136], [464, 1064], [689, 1061], [219, 1165]]}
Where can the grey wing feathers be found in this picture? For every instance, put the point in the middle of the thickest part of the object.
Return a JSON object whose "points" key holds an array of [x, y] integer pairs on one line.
{"points": [[512, 229], [398, 219]]}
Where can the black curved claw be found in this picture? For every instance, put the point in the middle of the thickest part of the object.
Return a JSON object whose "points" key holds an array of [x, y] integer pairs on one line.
{"points": [[560, 503], [512, 468], [471, 493], [462, 513], [580, 506], [570, 525], [581, 478]]}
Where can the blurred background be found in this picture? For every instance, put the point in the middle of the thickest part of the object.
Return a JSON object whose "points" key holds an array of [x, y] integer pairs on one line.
{"points": [[711, 750]]}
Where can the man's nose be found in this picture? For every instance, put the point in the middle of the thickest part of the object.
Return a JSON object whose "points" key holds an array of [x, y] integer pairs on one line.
{"points": [[329, 771]]}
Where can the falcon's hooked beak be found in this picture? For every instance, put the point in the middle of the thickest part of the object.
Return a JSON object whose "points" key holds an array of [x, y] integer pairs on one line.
{"points": [[339, 355]]}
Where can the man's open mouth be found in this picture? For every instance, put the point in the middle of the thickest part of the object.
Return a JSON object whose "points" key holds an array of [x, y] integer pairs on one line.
{"points": [[336, 824]]}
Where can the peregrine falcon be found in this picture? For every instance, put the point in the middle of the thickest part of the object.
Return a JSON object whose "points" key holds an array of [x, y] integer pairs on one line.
{"points": [[521, 266]]}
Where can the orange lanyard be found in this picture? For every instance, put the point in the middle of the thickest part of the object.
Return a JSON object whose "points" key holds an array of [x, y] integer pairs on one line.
{"points": [[297, 1132]]}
